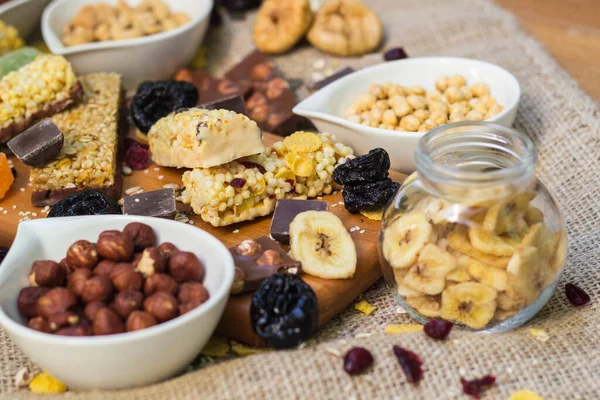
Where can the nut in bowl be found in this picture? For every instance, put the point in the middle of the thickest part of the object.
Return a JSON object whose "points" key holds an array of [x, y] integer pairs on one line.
{"points": [[126, 42], [154, 316], [328, 107]]}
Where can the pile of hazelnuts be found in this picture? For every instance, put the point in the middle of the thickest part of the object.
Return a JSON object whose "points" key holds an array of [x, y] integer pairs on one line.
{"points": [[121, 283]]}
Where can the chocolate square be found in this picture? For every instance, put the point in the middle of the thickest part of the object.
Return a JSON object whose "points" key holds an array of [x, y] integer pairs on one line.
{"points": [[157, 203], [250, 273], [286, 211], [211, 89], [232, 103], [39, 144]]}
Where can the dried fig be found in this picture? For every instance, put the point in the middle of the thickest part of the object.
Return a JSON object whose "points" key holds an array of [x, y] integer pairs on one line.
{"points": [[280, 24]]}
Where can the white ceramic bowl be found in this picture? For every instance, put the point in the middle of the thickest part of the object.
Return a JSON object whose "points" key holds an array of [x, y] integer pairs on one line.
{"points": [[23, 14], [326, 107], [122, 360], [153, 57]]}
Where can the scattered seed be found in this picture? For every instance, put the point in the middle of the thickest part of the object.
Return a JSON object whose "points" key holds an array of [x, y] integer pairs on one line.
{"points": [[161, 177], [333, 352], [362, 335], [236, 231], [362, 231], [319, 64], [22, 189], [173, 186], [23, 377], [126, 170], [157, 169], [133, 190]]}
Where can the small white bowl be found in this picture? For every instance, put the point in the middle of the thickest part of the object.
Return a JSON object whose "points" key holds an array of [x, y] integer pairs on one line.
{"points": [[24, 15], [153, 57], [326, 107], [123, 360]]}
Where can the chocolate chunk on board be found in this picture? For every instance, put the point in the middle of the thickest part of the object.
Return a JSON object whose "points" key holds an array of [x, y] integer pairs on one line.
{"points": [[39, 144], [331, 78], [254, 273], [157, 203], [233, 103], [286, 211], [211, 89]]}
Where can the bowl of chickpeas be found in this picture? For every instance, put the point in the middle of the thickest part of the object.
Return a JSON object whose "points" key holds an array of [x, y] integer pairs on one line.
{"points": [[392, 105]]}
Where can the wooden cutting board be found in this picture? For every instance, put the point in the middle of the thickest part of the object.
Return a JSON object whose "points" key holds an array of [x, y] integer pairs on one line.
{"points": [[333, 295]]}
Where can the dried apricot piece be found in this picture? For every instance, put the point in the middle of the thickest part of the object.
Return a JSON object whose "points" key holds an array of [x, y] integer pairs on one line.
{"points": [[6, 176], [303, 142]]}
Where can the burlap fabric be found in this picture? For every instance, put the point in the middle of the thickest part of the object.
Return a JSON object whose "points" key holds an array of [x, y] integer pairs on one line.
{"points": [[565, 125]]}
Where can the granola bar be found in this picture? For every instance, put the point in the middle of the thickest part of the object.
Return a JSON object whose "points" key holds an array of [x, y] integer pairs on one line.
{"points": [[88, 159]]}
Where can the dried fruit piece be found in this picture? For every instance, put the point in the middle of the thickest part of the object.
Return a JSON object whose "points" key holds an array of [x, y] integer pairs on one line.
{"points": [[396, 329], [284, 311], [365, 307], [136, 155], [539, 334], [154, 100], [44, 383], [525, 395], [372, 214], [280, 24], [470, 303], [216, 347], [397, 53], [477, 386], [438, 328], [404, 239], [356, 360], [89, 202], [369, 195], [6, 176], [345, 28], [410, 363], [371, 167], [303, 142], [576, 295]]}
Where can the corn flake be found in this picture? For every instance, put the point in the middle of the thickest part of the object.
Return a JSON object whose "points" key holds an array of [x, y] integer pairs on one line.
{"points": [[395, 329], [45, 383], [539, 334], [303, 167], [216, 347], [525, 395], [303, 142], [364, 307], [375, 215], [285, 174]]}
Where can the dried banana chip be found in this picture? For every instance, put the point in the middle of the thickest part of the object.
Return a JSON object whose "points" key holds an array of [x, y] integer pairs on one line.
{"points": [[280, 24], [303, 142]]}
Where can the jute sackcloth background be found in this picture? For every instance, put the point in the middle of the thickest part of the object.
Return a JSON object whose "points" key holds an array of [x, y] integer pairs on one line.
{"points": [[565, 125]]}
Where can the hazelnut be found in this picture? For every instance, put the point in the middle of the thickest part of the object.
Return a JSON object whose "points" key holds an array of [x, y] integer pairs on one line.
{"points": [[160, 283], [97, 288], [185, 266], [192, 291], [82, 254], [168, 249], [39, 324], [162, 306], [77, 330], [107, 322], [189, 306], [238, 281], [152, 261], [270, 257], [78, 279], [104, 268], [128, 301], [115, 246], [47, 273], [142, 235], [27, 302], [248, 248], [57, 300], [124, 276], [62, 319], [92, 308], [139, 320]]}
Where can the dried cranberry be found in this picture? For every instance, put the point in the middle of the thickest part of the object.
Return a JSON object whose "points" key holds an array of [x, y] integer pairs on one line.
{"points": [[477, 386], [438, 328], [238, 182], [410, 363], [3, 253], [576, 295], [249, 164], [137, 156], [396, 53], [356, 360]]}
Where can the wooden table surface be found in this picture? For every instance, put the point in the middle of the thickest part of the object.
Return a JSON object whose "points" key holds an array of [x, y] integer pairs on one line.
{"points": [[569, 30]]}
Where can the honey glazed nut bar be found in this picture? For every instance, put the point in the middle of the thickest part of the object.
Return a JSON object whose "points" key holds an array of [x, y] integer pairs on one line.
{"points": [[301, 166], [39, 89], [88, 159]]}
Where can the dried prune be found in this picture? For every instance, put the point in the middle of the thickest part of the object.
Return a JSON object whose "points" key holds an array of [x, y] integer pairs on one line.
{"points": [[369, 195], [371, 167], [154, 100], [3, 253], [239, 5], [284, 311], [89, 202]]}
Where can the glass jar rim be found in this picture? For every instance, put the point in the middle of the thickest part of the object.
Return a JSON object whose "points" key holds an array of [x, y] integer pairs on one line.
{"points": [[503, 136]]}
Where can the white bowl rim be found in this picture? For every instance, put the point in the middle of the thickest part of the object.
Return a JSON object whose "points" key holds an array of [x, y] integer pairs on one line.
{"points": [[94, 341], [57, 47], [359, 128]]}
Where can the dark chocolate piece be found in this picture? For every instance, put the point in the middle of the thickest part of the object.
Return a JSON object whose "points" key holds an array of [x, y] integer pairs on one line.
{"points": [[254, 272], [157, 203], [331, 78], [232, 103], [211, 89], [286, 211], [39, 144]]}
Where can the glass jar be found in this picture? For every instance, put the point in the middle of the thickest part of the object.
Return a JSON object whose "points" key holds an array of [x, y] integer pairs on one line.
{"points": [[472, 236]]}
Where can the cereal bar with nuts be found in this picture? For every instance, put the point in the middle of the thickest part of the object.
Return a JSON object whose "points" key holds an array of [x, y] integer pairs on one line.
{"points": [[200, 138], [300, 166], [88, 159], [37, 90]]}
